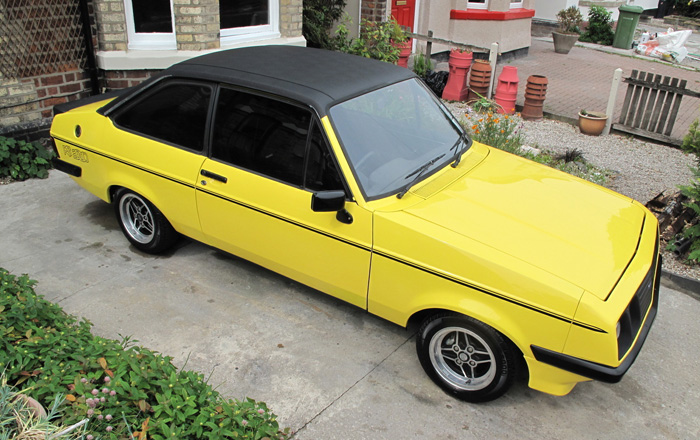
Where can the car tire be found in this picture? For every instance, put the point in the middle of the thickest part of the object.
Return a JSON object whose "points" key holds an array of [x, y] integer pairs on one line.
{"points": [[142, 223], [465, 357]]}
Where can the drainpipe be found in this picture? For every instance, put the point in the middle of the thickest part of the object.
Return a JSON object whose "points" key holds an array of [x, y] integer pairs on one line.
{"points": [[91, 68]]}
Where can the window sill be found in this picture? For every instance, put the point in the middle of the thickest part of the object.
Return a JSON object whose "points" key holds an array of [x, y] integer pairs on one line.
{"points": [[162, 59], [482, 14]]}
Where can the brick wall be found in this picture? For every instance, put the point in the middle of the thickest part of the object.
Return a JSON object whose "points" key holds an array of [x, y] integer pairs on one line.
{"points": [[196, 24], [375, 10], [111, 24], [121, 79], [27, 103], [291, 17]]}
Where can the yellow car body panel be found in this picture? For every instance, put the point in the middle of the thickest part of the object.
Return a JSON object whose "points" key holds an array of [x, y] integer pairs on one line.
{"points": [[284, 234]]}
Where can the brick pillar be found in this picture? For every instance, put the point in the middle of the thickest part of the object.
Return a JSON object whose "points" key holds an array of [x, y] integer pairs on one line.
{"points": [[196, 24]]}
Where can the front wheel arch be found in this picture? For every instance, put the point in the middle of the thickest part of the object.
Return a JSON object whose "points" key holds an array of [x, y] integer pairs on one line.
{"points": [[500, 360]]}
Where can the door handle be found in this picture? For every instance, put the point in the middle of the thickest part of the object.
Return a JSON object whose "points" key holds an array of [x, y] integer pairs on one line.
{"points": [[214, 176]]}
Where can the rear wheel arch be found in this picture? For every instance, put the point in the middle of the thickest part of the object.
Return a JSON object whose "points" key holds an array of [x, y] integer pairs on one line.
{"points": [[143, 224]]}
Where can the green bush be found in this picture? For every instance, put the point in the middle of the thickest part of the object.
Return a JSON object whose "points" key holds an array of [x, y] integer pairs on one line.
{"points": [[692, 232], [319, 17], [599, 28], [691, 141], [422, 65], [688, 8], [119, 387], [22, 160], [569, 20], [376, 40]]}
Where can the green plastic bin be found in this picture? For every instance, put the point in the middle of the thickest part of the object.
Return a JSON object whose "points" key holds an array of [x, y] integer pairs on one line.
{"points": [[626, 25]]}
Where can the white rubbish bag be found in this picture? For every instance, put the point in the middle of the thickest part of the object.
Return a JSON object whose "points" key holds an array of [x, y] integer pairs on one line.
{"points": [[669, 46]]}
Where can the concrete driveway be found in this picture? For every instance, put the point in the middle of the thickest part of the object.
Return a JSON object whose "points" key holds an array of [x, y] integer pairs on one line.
{"points": [[329, 370]]}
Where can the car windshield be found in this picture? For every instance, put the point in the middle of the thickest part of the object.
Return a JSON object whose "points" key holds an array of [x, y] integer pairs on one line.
{"points": [[396, 136]]}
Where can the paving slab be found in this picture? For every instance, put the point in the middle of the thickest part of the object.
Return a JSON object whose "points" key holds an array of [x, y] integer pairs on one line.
{"points": [[328, 369]]}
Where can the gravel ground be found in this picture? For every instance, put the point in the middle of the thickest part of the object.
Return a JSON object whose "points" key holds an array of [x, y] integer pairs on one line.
{"points": [[640, 170]]}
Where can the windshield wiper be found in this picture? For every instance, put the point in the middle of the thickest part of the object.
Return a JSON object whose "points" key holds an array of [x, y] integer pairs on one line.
{"points": [[418, 172], [458, 151]]}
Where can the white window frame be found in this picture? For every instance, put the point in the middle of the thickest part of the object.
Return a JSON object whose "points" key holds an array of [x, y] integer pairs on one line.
{"points": [[254, 33], [150, 40], [516, 4], [473, 5]]}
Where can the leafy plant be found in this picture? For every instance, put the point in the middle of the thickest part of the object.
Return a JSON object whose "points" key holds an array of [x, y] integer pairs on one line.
{"points": [[569, 20], [21, 160], [377, 40], [122, 389], [691, 141], [422, 65], [20, 420], [319, 17], [692, 232], [599, 28], [496, 130], [687, 8]]}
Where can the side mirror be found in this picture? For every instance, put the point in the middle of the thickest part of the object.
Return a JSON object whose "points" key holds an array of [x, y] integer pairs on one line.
{"points": [[328, 201]]}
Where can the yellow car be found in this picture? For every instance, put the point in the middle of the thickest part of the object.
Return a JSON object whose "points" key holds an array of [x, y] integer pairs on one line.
{"points": [[348, 175]]}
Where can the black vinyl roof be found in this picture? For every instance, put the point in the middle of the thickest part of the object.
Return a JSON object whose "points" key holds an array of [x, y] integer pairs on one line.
{"points": [[316, 77]]}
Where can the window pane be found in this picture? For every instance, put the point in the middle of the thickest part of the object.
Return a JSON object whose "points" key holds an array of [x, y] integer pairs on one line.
{"points": [[321, 172], [261, 134], [152, 16], [242, 13], [176, 113]]}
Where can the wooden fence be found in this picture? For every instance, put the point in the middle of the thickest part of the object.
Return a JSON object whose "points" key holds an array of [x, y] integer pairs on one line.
{"points": [[651, 105]]}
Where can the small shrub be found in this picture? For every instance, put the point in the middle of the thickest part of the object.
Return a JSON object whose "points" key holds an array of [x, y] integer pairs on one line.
{"points": [[319, 17], [422, 65], [120, 388], [569, 20], [599, 26], [691, 141], [21, 160], [19, 420], [376, 40], [496, 130], [692, 232], [688, 8]]}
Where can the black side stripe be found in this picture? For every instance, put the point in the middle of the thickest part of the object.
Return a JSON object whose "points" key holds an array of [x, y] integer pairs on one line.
{"points": [[285, 219], [489, 292], [346, 241]]}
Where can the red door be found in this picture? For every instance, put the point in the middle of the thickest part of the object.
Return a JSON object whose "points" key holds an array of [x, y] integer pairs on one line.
{"points": [[403, 12]]}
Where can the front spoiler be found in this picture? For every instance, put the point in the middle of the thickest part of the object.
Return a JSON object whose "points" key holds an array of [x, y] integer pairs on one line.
{"points": [[594, 370]]}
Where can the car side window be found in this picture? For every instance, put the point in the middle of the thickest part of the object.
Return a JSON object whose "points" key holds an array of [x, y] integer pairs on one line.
{"points": [[321, 171], [261, 134], [175, 113]]}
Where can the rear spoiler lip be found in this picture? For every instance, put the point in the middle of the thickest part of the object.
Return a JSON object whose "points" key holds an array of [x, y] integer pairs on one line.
{"points": [[67, 106]]}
